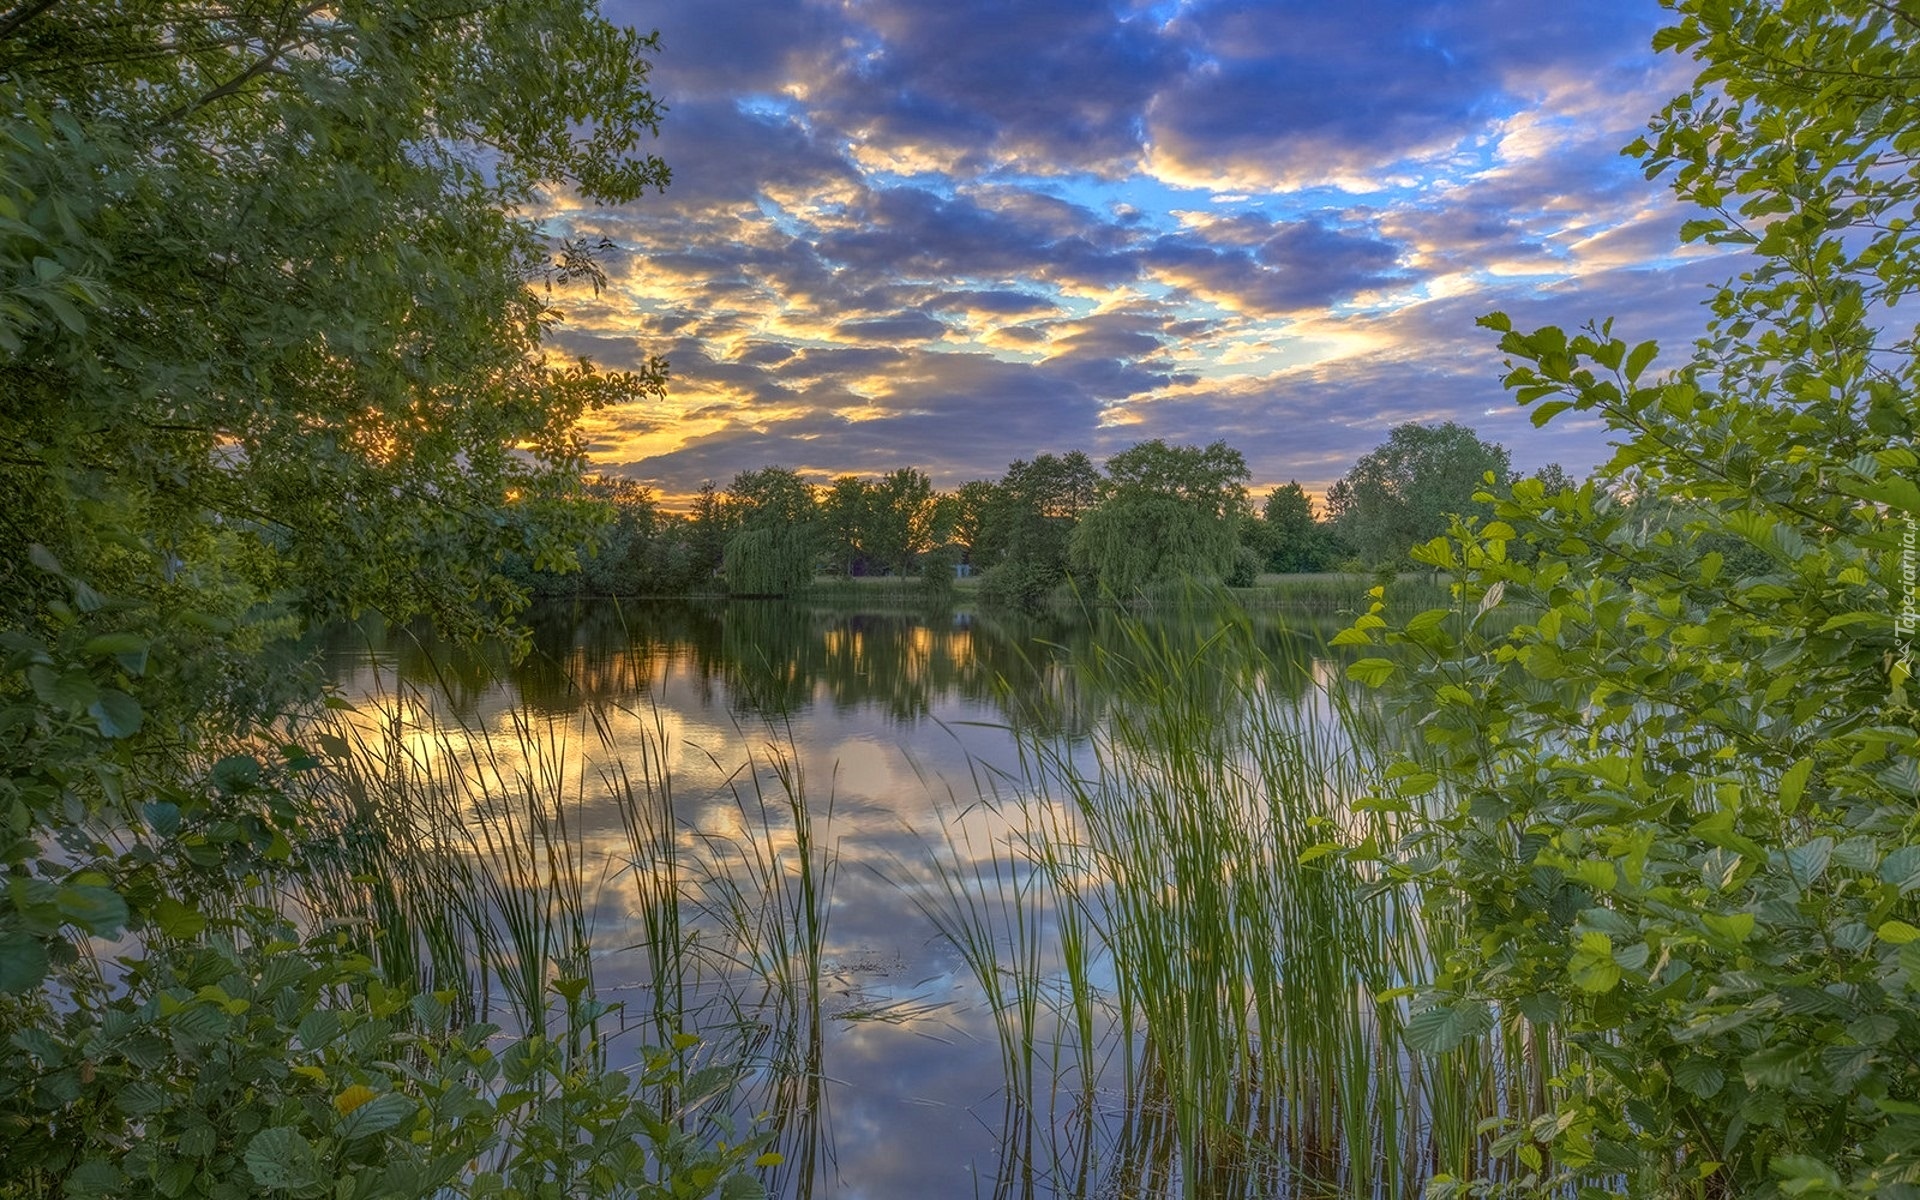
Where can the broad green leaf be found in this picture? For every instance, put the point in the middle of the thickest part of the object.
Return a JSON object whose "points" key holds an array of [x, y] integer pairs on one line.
{"points": [[1775, 1067], [1701, 1076], [1902, 868], [98, 910], [1808, 861], [1592, 967], [117, 714], [1445, 1027], [1371, 671], [281, 1160], [23, 962], [377, 1115], [1736, 927], [1793, 781]]}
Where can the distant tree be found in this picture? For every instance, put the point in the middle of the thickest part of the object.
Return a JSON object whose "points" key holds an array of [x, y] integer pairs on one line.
{"points": [[708, 530], [1554, 478], [776, 532], [1029, 521], [1401, 493], [1166, 514], [622, 560], [845, 512], [770, 560], [1293, 538], [773, 496], [963, 513], [900, 518]]}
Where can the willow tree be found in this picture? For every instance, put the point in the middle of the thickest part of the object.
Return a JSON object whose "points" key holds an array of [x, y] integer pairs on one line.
{"points": [[1167, 514], [777, 532]]}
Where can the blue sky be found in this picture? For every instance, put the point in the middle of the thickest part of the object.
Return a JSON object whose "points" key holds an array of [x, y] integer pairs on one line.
{"points": [[941, 235]]}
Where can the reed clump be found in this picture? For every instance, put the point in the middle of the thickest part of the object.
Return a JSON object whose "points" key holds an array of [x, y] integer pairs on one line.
{"points": [[1223, 982]]}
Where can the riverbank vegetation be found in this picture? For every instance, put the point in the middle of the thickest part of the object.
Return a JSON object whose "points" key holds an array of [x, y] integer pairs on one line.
{"points": [[271, 331], [1603, 877], [1676, 797], [1158, 519]]}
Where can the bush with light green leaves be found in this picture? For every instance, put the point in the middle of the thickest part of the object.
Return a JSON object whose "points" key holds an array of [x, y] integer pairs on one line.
{"points": [[1676, 791], [240, 1061]]}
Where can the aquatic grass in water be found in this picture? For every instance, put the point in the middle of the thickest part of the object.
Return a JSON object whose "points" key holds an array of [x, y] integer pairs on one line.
{"points": [[1184, 992], [1253, 974]]}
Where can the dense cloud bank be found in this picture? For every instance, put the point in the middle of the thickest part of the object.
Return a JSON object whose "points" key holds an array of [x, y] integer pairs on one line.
{"points": [[907, 231]]}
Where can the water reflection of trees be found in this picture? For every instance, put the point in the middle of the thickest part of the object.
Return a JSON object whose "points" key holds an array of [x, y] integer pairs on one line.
{"points": [[1051, 674]]}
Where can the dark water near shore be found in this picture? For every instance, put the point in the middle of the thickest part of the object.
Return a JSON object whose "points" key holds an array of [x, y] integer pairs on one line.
{"points": [[900, 725]]}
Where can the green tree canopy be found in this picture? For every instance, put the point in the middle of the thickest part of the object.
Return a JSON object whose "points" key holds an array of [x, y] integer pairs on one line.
{"points": [[1027, 524], [265, 271], [772, 497], [1167, 514], [900, 520], [1402, 492], [1290, 537], [845, 512], [774, 533], [271, 330]]}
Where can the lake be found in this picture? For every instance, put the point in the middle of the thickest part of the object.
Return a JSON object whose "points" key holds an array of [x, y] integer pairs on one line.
{"points": [[978, 905]]}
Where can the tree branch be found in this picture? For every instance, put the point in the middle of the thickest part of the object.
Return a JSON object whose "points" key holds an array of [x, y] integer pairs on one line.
{"points": [[269, 58], [20, 16]]}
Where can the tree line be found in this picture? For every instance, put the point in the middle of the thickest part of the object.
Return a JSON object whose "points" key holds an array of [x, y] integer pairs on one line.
{"points": [[1155, 515]]}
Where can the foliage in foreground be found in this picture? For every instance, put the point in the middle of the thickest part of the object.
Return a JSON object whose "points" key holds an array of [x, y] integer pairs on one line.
{"points": [[249, 1062], [271, 349], [1676, 790]]}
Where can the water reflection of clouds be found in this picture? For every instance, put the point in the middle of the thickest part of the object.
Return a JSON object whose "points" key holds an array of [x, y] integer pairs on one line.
{"points": [[898, 727]]}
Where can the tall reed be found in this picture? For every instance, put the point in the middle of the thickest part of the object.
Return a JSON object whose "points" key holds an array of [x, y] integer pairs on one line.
{"points": [[1253, 974]]}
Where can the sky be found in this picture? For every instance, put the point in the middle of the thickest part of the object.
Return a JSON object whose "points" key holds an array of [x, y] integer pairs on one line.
{"points": [[948, 236]]}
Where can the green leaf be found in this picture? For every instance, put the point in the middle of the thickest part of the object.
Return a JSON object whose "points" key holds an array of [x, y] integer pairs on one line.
{"points": [[1793, 781], [1371, 671], [1445, 1027], [1902, 868], [377, 1115], [117, 714], [742, 1186], [176, 919], [1592, 967], [98, 910], [1641, 355], [1701, 1076], [1897, 933], [140, 1098], [115, 645], [23, 962], [1542, 413], [236, 773], [1808, 862], [1737, 927], [199, 1023], [1800, 1174], [1775, 1067], [95, 1177], [280, 1160], [318, 1028]]}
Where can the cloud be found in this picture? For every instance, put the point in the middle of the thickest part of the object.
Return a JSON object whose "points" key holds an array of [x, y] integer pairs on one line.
{"points": [[1295, 95], [1293, 266], [909, 232], [1042, 86]]}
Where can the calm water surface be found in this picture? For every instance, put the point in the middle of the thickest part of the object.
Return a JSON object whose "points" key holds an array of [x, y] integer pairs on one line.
{"points": [[906, 730]]}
